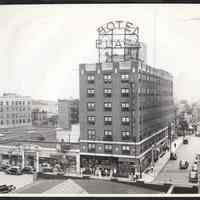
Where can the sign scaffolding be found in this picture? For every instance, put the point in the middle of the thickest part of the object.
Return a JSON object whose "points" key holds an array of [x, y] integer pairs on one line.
{"points": [[117, 41]]}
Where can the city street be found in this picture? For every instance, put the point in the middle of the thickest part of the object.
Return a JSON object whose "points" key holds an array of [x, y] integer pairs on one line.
{"points": [[171, 172], [18, 181]]}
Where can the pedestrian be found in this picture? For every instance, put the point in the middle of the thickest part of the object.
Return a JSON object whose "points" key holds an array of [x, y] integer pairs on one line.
{"points": [[115, 172], [174, 145]]}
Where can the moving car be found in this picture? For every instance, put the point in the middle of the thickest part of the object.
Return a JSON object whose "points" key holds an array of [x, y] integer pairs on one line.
{"points": [[173, 156], [193, 177], [185, 141], [15, 170], [183, 164], [28, 170]]}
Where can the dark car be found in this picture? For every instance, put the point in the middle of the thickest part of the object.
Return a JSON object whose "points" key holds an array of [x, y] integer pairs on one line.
{"points": [[183, 164], [28, 170], [173, 156], [7, 188], [4, 167], [193, 176], [185, 141], [47, 169], [15, 170]]}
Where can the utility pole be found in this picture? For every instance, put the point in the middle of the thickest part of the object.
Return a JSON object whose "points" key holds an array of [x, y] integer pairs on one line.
{"points": [[198, 171]]}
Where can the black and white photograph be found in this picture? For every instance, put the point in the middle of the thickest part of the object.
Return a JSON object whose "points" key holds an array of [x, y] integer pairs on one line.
{"points": [[100, 99]]}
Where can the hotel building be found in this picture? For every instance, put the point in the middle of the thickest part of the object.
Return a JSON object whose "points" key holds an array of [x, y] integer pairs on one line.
{"points": [[126, 108]]}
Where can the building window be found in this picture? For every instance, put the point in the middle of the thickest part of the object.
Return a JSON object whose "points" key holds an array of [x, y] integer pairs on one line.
{"points": [[108, 135], [1, 103], [91, 120], [108, 120], [125, 121], [107, 78], [124, 77], [91, 92], [107, 92], [108, 148], [91, 147], [1, 122], [107, 106], [90, 106], [125, 92], [125, 149], [91, 134], [125, 135], [7, 103], [1, 109], [90, 78], [125, 106]]}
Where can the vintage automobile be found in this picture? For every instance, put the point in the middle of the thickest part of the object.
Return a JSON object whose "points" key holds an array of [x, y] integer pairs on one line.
{"points": [[183, 164], [28, 170], [185, 141], [7, 188], [14, 170]]}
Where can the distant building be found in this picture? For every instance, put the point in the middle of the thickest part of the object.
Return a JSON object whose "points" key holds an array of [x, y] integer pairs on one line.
{"points": [[68, 113], [74, 111], [38, 116], [64, 114], [15, 110], [51, 107]]}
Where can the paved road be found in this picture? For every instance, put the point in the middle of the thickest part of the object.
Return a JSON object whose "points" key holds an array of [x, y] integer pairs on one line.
{"points": [[171, 169]]}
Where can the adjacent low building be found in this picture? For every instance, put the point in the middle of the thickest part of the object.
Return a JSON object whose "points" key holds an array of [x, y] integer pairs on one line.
{"points": [[15, 111]]}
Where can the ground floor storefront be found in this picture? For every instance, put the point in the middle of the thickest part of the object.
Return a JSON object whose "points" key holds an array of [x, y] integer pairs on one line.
{"points": [[122, 166]]}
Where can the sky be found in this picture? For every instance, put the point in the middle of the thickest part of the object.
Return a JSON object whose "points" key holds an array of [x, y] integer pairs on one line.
{"points": [[41, 46]]}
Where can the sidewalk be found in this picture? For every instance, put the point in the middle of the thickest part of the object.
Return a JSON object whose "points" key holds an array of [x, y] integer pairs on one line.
{"points": [[149, 177]]}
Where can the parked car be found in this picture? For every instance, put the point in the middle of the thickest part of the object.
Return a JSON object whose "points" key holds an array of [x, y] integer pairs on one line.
{"points": [[183, 164], [15, 170], [4, 166], [173, 156], [193, 176], [47, 169], [28, 170], [185, 141], [7, 188]]}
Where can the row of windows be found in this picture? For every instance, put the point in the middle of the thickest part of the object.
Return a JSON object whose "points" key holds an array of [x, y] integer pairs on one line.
{"points": [[108, 92], [20, 121], [109, 147], [108, 78], [15, 116], [108, 120], [107, 106], [7, 103], [14, 109], [107, 133]]}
